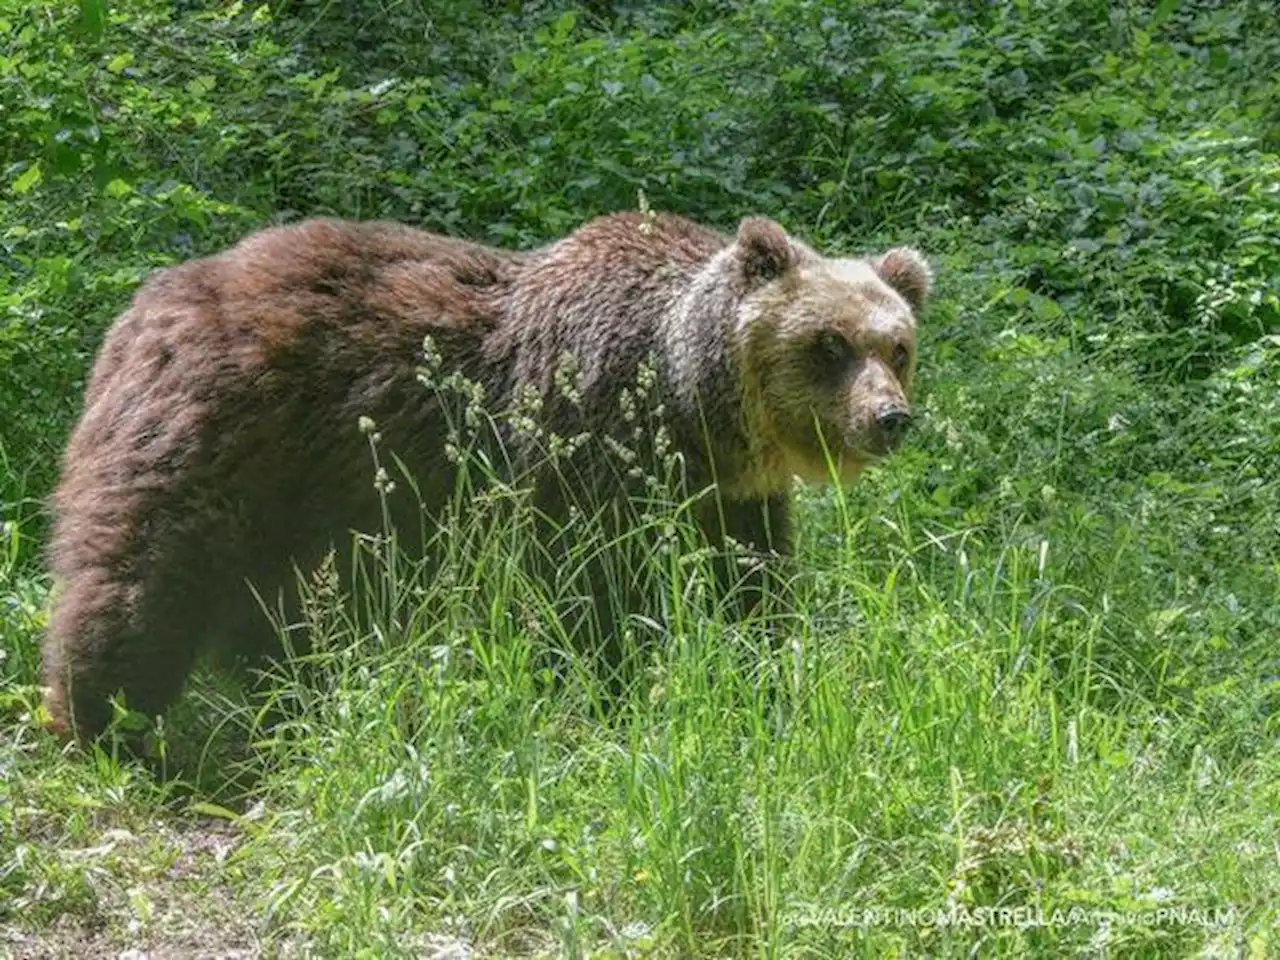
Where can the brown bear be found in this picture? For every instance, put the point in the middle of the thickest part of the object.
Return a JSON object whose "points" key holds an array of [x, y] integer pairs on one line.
{"points": [[218, 444]]}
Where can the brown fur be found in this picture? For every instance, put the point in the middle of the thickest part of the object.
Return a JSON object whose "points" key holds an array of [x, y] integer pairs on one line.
{"points": [[218, 443]]}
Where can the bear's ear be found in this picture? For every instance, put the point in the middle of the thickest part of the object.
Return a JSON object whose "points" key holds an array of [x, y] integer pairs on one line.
{"points": [[764, 250], [904, 269]]}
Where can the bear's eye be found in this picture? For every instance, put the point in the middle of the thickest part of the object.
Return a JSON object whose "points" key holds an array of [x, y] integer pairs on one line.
{"points": [[832, 350], [901, 357]]}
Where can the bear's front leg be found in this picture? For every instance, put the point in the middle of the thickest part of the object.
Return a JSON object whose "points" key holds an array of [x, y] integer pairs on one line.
{"points": [[753, 542]]}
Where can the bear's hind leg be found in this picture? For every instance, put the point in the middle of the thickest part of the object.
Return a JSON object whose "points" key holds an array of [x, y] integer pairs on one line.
{"points": [[109, 636]]}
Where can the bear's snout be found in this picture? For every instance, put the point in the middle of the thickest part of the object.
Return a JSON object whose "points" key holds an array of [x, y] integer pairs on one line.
{"points": [[892, 422]]}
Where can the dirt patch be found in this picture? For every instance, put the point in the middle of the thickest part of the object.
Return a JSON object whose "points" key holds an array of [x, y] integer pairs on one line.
{"points": [[165, 893]]}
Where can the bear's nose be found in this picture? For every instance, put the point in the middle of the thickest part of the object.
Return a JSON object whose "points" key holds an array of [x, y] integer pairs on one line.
{"points": [[892, 421]]}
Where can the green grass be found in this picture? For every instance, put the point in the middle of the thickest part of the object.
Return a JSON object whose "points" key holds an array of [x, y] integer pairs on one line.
{"points": [[1033, 664], [956, 720]]}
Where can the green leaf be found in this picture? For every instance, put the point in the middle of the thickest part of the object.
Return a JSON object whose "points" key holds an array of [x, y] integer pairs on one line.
{"points": [[212, 810], [1046, 308], [28, 180], [93, 16], [120, 61], [1164, 10], [564, 24]]}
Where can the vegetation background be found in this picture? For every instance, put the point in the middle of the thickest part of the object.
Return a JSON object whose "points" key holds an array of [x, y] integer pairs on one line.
{"points": [[1040, 665]]}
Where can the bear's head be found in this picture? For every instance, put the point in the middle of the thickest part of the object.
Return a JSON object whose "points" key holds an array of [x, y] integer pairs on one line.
{"points": [[827, 347]]}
